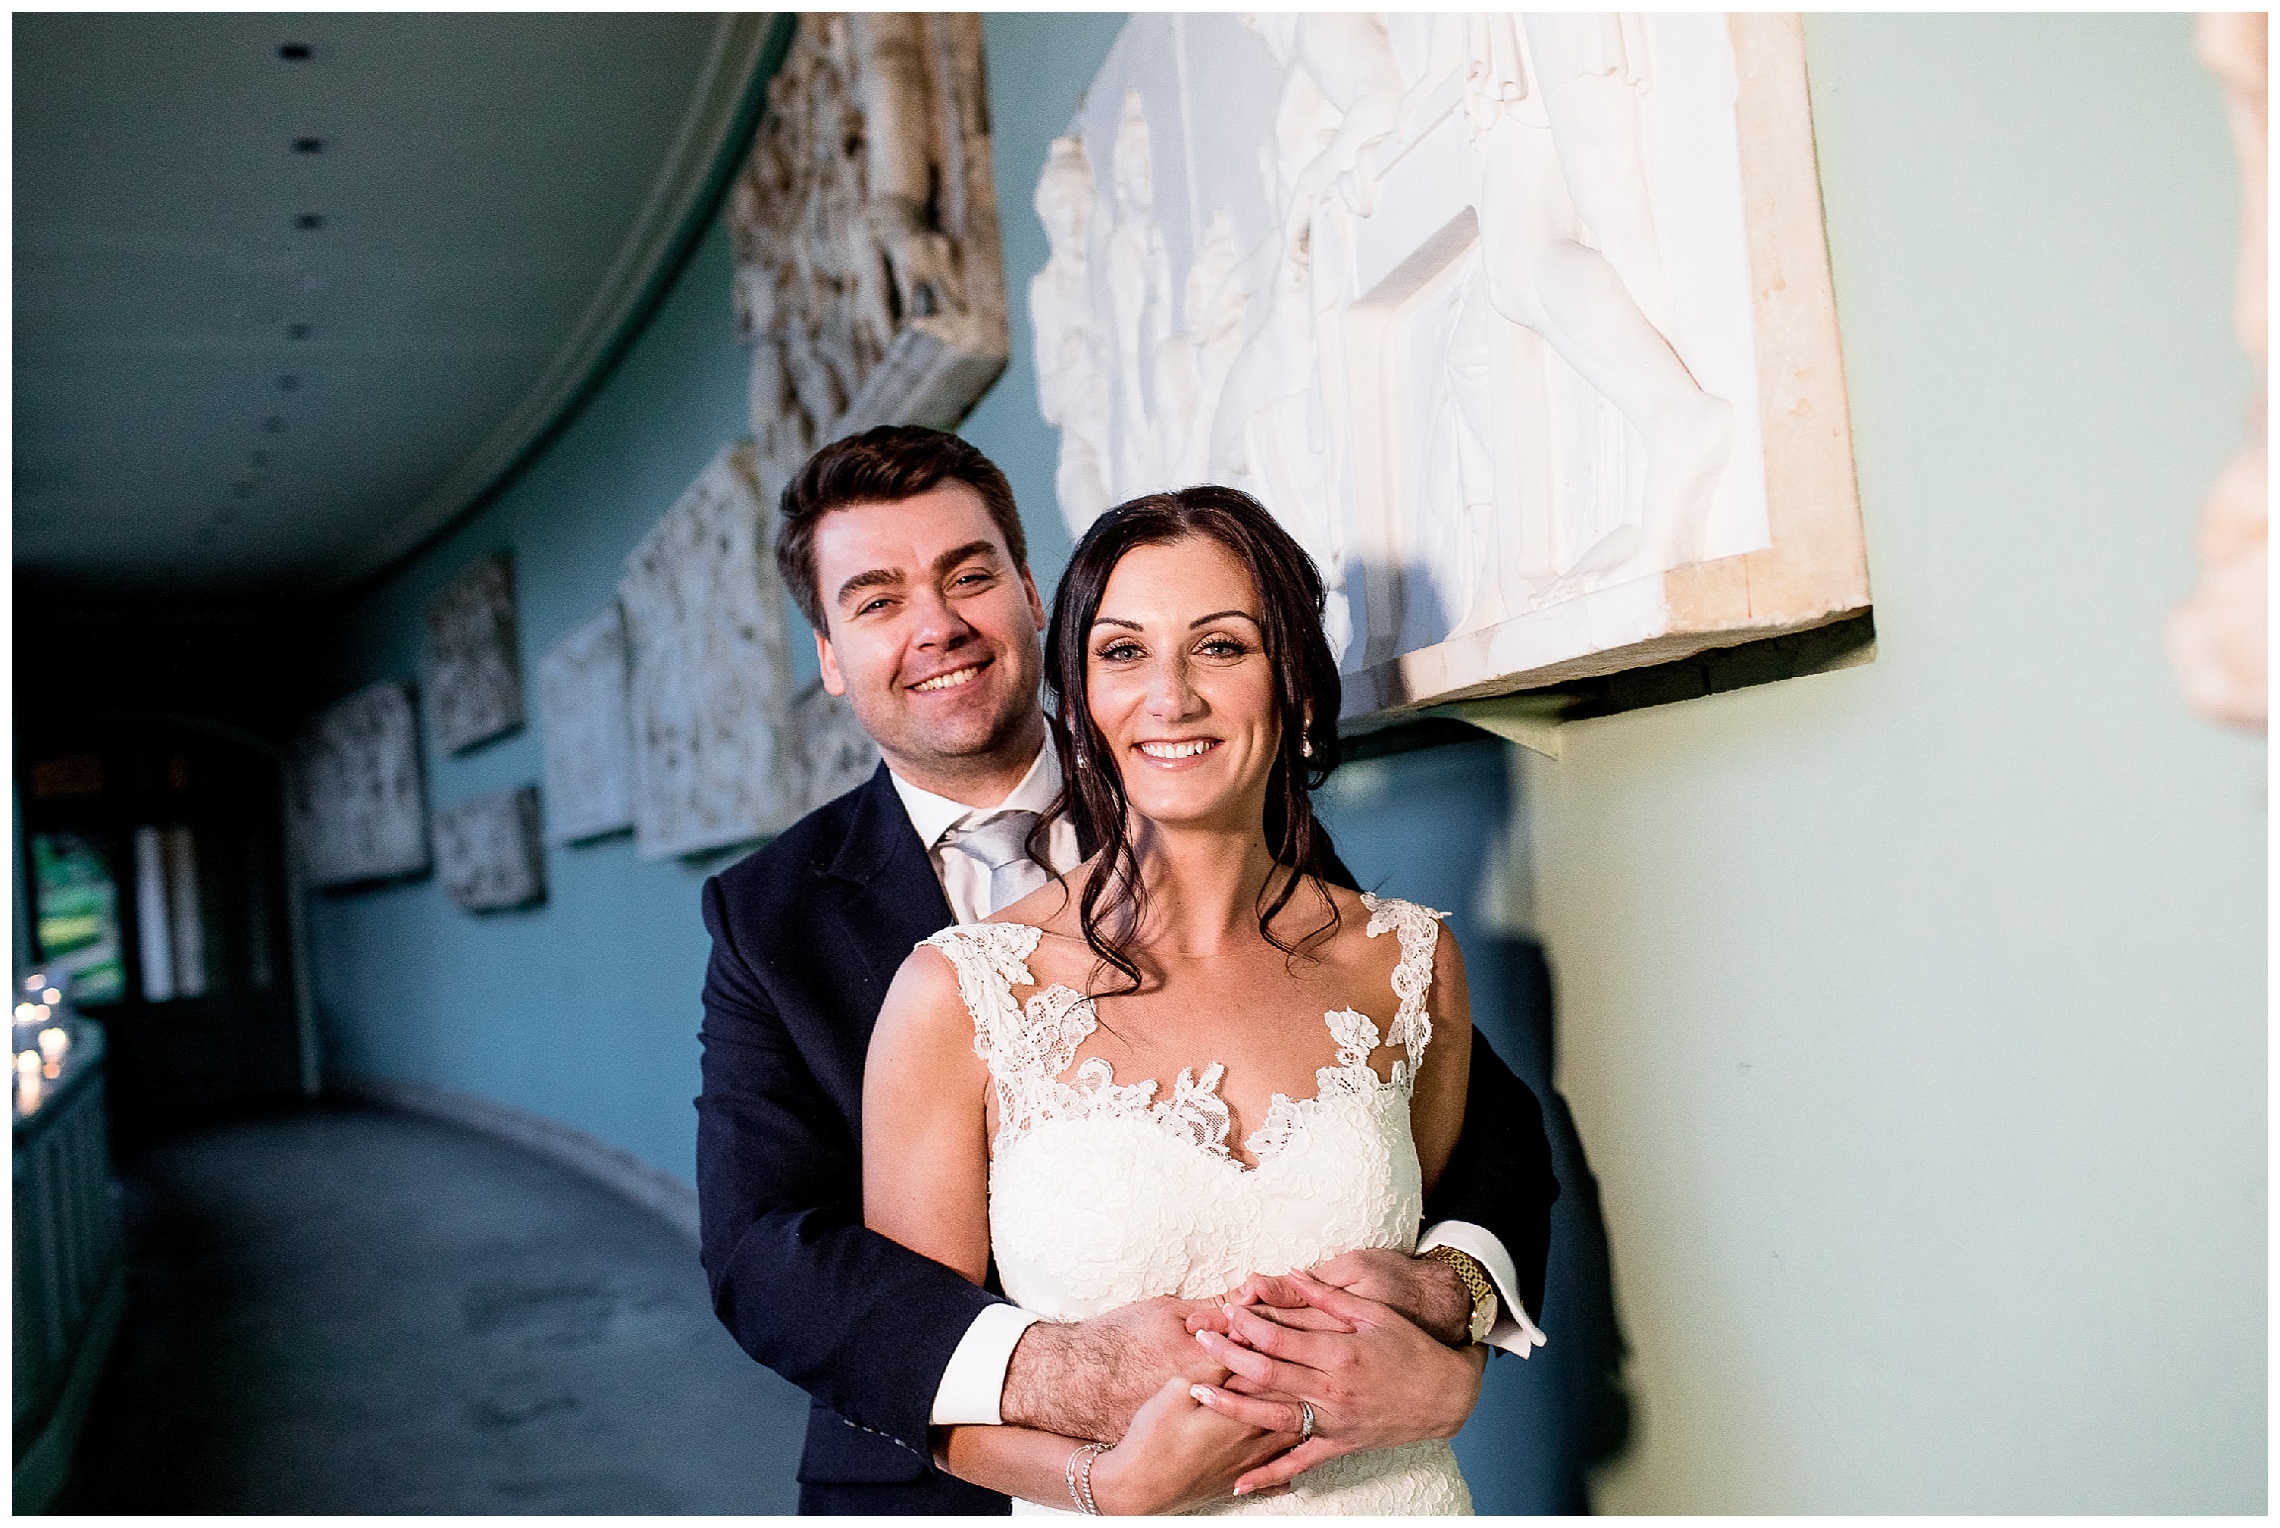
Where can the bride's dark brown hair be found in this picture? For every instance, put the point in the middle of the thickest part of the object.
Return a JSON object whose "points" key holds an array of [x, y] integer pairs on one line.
{"points": [[1114, 902]]}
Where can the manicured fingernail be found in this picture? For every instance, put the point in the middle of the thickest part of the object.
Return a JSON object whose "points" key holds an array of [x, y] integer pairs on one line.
{"points": [[1205, 1336], [1242, 1490], [1200, 1393]]}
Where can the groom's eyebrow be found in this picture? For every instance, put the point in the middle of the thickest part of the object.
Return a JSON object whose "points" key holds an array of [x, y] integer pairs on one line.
{"points": [[957, 555], [874, 578]]}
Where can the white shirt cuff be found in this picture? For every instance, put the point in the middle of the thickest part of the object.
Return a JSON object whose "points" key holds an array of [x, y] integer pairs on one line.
{"points": [[974, 1383], [1513, 1332]]}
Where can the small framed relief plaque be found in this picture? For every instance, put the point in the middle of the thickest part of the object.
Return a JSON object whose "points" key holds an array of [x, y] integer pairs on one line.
{"points": [[487, 851]]}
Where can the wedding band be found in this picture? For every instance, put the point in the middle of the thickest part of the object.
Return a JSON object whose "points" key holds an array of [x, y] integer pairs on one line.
{"points": [[1305, 1421]]}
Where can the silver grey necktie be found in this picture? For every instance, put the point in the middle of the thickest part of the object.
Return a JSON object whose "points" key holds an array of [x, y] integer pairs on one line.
{"points": [[997, 846]]}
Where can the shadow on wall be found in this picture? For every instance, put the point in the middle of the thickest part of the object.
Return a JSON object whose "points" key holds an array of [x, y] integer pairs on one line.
{"points": [[1446, 826], [1568, 1397]]}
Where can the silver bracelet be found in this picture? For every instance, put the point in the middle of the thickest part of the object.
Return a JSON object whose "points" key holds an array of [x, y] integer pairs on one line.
{"points": [[1079, 1475]]}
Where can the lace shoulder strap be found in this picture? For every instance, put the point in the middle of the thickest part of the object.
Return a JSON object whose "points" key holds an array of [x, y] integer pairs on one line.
{"points": [[1024, 1047], [1419, 930]]}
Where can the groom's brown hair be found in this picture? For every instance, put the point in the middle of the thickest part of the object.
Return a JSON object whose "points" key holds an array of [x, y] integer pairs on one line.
{"points": [[880, 466]]}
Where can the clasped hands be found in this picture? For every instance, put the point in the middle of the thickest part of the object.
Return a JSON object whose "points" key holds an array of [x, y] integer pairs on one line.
{"points": [[1363, 1339]]}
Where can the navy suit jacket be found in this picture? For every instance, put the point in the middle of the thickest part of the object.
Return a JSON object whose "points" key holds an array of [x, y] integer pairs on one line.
{"points": [[807, 933]]}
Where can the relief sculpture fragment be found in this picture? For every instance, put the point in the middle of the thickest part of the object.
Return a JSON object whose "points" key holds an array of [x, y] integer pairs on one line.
{"points": [[1473, 303]]}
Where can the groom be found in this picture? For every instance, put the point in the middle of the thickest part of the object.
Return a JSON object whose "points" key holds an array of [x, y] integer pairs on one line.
{"points": [[904, 550]]}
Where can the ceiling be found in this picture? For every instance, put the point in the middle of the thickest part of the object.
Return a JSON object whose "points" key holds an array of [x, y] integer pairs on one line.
{"points": [[279, 318]]}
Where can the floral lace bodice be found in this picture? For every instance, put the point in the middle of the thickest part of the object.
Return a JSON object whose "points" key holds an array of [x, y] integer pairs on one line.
{"points": [[1102, 1193]]}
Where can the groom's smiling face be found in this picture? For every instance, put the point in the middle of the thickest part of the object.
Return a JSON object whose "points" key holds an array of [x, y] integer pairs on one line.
{"points": [[932, 635]]}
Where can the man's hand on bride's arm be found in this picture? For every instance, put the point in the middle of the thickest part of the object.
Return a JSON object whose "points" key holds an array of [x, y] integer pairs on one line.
{"points": [[1089, 1379], [1177, 1453], [1424, 1289], [1383, 1382]]}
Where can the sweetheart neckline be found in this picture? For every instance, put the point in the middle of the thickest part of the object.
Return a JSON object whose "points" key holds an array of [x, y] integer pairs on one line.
{"points": [[1281, 1107], [1028, 1045]]}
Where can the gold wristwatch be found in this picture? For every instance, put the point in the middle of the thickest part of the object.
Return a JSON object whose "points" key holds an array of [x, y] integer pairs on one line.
{"points": [[1475, 1279]]}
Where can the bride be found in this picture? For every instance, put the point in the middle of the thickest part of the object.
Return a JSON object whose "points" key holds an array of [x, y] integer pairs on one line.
{"points": [[1193, 1056]]}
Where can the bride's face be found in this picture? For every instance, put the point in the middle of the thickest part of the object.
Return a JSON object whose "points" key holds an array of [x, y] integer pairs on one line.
{"points": [[1180, 685]]}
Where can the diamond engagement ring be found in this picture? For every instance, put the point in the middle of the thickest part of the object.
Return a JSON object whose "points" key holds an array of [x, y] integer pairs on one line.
{"points": [[1305, 1421]]}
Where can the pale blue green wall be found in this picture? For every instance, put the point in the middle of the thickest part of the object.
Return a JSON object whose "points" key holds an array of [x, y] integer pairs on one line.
{"points": [[1913, 1015], [583, 1009]]}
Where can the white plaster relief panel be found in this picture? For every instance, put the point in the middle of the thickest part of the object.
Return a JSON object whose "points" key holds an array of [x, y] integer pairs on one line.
{"points": [[1477, 305], [710, 686], [488, 853], [470, 664], [585, 712], [355, 782]]}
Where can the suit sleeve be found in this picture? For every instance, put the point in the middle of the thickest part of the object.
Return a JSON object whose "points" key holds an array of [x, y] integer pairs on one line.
{"points": [[1499, 1177], [861, 1323]]}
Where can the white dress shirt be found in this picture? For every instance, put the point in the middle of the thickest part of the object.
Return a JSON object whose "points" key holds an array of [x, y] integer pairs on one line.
{"points": [[964, 880], [974, 1383]]}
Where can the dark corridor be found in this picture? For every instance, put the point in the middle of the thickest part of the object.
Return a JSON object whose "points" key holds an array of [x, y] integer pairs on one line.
{"points": [[344, 1310]]}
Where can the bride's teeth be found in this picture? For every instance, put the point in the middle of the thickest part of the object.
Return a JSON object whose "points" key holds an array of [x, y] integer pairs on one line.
{"points": [[1175, 750]]}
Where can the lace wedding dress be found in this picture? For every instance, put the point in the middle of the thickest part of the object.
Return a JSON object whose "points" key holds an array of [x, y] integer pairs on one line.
{"points": [[1102, 1194]]}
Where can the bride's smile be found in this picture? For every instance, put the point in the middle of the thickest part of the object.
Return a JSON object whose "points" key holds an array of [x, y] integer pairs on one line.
{"points": [[1180, 686]]}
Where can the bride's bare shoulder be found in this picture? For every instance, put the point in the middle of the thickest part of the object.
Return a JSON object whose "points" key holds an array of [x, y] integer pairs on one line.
{"points": [[1351, 908], [924, 1012], [921, 1071], [1353, 914]]}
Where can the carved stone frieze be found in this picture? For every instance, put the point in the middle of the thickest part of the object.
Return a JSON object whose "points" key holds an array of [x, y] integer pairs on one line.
{"points": [[710, 674], [583, 703], [354, 779], [869, 282], [470, 664]]}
